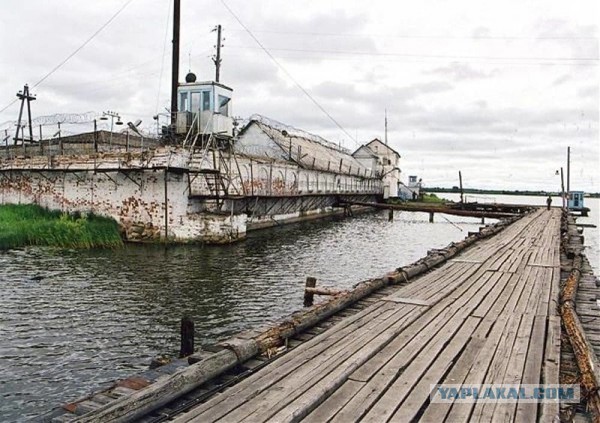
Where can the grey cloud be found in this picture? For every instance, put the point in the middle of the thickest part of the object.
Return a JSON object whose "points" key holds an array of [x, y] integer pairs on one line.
{"points": [[562, 79], [462, 71]]}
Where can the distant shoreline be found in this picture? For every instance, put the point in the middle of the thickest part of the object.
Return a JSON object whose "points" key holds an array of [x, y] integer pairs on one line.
{"points": [[456, 190]]}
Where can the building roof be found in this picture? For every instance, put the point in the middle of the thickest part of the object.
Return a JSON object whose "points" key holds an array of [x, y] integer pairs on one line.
{"points": [[307, 150], [378, 141]]}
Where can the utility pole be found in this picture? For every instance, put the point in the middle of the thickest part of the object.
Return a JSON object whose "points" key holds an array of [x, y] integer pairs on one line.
{"points": [[462, 194], [217, 58], [568, 171], [24, 96], [175, 61]]}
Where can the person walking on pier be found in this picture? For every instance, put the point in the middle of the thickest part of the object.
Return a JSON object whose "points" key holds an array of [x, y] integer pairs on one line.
{"points": [[549, 202]]}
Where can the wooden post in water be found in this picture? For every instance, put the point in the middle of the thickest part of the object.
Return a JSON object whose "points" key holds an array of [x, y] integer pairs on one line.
{"points": [[391, 215], [562, 189], [309, 296], [187, 337], [430, 217], [462, 194]]}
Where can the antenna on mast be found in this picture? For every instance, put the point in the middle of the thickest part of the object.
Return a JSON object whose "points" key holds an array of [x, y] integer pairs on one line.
{"points": [[386, 128]]}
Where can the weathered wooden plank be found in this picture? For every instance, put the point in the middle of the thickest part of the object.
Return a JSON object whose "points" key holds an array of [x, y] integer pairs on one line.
{"points": [[384, 376], [411, 301], [329, 408], [527, 412], [551, 366], [460, 412], [317, 380], [417, 395], [498, 365], [429, 323], [437, 412], [339, 335], [504, 412]]}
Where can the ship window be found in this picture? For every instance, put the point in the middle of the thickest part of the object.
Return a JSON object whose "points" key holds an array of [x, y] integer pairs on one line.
{"points": [[224, 105]]}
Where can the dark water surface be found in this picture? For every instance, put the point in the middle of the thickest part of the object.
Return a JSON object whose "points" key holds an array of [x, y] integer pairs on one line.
{"points": [[73, 320]]}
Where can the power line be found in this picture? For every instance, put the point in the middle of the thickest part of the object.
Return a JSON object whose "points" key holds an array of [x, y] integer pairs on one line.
{"points": [[288, 73], [432, 56], [77, 50], [420, 37]]}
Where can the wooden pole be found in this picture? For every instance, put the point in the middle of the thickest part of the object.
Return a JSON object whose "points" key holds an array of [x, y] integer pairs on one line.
{"points": [[309, 296], [462, 194], [187, 337], [60, 142], [430, 217], [562, 188], [175, 60], [568, 171], [95, 136], [391, 215]]}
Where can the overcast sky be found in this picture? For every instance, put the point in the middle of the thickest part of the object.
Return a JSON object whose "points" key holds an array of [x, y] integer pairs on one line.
{"points": [[495, 89]]}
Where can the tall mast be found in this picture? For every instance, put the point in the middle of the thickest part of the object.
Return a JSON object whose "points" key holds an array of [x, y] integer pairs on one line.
{"points": [[386, 138], [175, 64], [217, 58]]}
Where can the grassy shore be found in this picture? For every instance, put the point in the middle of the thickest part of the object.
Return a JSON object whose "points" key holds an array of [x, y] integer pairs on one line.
{"points": [[22, 225]]}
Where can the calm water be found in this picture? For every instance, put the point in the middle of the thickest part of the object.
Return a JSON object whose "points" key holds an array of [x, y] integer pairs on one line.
{"points": [[95, 316]]}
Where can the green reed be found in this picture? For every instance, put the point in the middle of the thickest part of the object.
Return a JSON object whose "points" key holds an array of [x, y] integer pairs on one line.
{"points": [[22, 225]]}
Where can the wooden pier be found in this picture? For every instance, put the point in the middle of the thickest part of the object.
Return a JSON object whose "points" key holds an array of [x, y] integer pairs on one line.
{"points": [[488, 316], [486, 310]]}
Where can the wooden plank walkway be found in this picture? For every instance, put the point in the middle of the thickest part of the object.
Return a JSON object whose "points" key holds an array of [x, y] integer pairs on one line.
{"points": [[488, 316]]}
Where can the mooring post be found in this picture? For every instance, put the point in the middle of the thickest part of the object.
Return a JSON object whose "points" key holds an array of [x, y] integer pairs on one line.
{"points": [[391, 215], [187, 337], [483, 220], [430, 217], [309, 296]]}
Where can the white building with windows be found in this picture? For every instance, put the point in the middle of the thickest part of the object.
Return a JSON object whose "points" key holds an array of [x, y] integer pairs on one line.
{"points": [[385, 162], [205, 107]]}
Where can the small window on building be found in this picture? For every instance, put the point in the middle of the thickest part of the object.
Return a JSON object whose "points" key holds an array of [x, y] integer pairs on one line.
{"points": [[205, 100], [224, 105], [195, 102], [183, 99]]}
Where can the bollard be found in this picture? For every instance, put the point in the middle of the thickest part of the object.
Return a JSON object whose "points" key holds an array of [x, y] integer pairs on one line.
{"points": [[309, 296], [391, 215], [187, 337], [430, 217], [483, 220]]}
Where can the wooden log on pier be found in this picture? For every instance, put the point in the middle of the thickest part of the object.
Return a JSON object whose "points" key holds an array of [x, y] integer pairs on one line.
{"points": [[323, 291], [587, 362]]}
